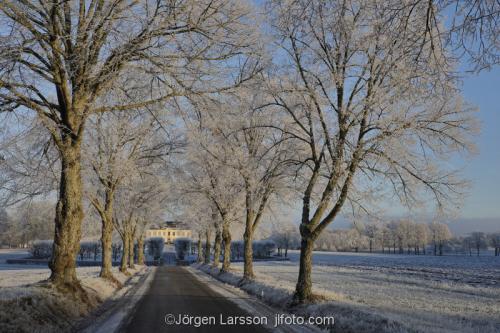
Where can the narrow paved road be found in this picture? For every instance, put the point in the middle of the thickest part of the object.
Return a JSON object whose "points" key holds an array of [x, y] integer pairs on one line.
{"points": [[176, 291]]}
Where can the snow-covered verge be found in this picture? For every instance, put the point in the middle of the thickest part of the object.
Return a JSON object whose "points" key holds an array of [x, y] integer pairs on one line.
{"points": [[29, 304], [348, 319], [371, 299]]}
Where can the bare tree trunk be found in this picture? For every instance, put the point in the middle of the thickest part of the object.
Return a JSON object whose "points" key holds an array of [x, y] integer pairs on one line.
{"points": [[131, 251], [125, 250], [248, 273], [68, 219], [140, 250], [208, 246], [199, 258], [303, 289], [226, 237], [217, 248], [106, 243]]}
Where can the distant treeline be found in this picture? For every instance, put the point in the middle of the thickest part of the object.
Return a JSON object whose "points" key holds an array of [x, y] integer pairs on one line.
{"points": [[407, 237]]}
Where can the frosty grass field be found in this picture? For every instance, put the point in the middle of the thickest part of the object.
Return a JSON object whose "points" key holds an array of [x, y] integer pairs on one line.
{"points": [[426, 293]]}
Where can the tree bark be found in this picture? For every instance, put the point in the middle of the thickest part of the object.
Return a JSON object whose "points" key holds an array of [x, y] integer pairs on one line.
{"points": [[303, 289], [208, 246], [68, 218], [125, 251], [217, 248], [199, 258], [140, 250], [106, 241], [131, 252], [248, 273], [226, 237]]}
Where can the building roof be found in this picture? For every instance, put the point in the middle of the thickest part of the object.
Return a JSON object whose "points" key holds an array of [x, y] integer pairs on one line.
{"points": [[170, 225]]}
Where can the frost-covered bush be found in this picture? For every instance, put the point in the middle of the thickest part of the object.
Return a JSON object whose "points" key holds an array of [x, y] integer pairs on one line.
{"points": [[155, 247], [263, 248], [182, 247], [237, 249], [41, 249]]}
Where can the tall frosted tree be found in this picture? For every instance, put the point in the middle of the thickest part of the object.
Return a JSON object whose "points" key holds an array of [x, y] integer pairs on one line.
{"points": [[375, 104], [117, 147]]}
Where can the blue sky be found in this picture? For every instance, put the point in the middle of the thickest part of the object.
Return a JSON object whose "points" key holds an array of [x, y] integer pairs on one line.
{"points": [[483, 170]]}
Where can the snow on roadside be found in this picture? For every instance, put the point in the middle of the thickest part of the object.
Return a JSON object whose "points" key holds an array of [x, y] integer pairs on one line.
{"points": [[347, 318], [28, 304]]}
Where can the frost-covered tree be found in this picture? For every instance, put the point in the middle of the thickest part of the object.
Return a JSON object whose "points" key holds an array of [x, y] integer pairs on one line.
{"points": [[421, 237], [253, 147], [495, 242], [285, 237], [207, 173], [58, 59], [138, 202], [472, 32], [28, 160], [440, 233], [479, 241], [377, 111], [117, 147], [371, 231], [28, 221]]}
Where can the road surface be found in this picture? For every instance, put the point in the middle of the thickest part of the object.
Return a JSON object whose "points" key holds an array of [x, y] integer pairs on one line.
{"points": [[177, 292]]}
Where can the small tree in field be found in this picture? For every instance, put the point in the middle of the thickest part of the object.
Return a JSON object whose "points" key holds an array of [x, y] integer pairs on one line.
{"points": [[479, 241], [495, 242], [440, 234], [422, 236]]}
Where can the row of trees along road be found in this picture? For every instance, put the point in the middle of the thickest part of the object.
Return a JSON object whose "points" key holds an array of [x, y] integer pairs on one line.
{"points": [[344, 103], [65, 60]]}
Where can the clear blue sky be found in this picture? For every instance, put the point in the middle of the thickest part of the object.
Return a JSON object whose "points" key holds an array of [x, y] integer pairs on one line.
{"points": [[483, 170]]}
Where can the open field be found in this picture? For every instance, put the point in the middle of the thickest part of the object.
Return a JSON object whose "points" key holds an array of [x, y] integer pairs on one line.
{"points": [[428, 294]]}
